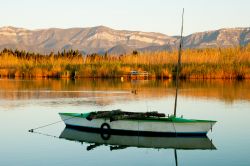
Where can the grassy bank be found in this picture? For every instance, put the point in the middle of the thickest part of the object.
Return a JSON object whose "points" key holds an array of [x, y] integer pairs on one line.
{"points": [[226, 63]]}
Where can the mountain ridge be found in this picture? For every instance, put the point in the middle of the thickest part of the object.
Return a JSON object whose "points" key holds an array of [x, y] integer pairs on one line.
{"points": [[101, 39]]}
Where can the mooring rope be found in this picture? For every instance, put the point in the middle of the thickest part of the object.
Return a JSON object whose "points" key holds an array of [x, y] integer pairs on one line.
{"points": [[45, 134], [32, 130], [57, 137]]}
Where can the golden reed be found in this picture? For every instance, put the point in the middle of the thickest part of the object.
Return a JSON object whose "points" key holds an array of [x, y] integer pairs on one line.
{"points": [[210, 63]]}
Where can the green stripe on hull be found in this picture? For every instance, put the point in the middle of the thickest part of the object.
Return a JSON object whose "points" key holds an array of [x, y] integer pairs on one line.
{"points": [[151, 119], [81, 115]]}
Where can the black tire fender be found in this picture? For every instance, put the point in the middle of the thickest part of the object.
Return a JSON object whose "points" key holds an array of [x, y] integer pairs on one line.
{"points": [[105, 131], [105, 127]]}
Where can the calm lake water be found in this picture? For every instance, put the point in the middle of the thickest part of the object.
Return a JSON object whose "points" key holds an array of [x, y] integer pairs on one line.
{"points": [[26, 104]]}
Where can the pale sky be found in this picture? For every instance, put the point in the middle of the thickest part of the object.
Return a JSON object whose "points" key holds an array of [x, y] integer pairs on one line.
{"points": [[162, 16]]}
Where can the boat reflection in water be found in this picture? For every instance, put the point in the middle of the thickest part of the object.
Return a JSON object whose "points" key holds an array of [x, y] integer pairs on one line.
{"points": [[120, 141]]}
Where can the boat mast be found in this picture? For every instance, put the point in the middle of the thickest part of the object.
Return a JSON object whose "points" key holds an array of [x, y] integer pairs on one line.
{"points": [[175, 157], [178, 65]]}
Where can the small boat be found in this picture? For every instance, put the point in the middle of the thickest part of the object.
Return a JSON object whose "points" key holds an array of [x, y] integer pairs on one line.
{"points": [[118, 142], [135, 123]]}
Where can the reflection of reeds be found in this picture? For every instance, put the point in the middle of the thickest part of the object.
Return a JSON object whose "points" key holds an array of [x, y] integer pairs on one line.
{"points": [[225, 90], [213, 63]]}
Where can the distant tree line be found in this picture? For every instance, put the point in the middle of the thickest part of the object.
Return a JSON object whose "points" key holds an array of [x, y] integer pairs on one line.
{"points": [[31, 55]]}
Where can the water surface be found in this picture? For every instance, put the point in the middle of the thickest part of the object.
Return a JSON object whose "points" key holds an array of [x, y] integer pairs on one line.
{"points": [[26, 104]]}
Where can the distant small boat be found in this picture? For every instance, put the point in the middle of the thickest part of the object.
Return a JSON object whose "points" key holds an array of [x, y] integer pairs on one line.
{"points": [[118, 142], [134, 123]]}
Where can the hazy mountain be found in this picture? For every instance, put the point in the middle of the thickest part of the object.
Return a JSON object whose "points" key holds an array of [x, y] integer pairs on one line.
{"points": [[219, 38], [103, 39], [120, 49]]}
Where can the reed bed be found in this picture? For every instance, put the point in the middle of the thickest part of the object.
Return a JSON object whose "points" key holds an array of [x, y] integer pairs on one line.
{"points": [[212, 63]]}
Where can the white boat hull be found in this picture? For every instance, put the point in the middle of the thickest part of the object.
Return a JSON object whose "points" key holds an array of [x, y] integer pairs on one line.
{"points": [[138, 127]]}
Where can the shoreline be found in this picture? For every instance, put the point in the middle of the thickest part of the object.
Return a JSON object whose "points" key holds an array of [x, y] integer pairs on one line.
{"points": [[124, 77]]}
